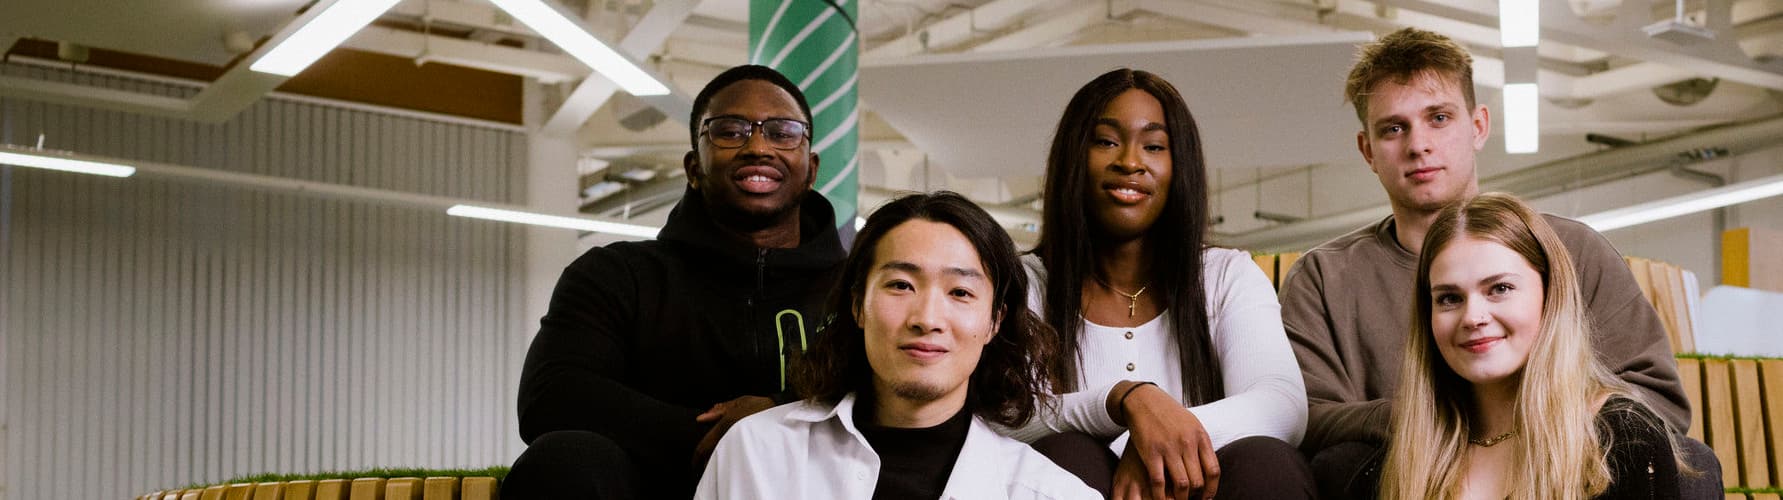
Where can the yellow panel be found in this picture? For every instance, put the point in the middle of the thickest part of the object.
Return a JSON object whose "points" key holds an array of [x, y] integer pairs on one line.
{"points": [[1736, 253]]}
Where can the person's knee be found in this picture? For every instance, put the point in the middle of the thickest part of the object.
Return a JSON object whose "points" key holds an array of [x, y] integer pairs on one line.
{"points": [[1260, 447], [563, 464], [1343, 470], [1067, 444], [1263, 467], [1261, 454], [1083, 456]]}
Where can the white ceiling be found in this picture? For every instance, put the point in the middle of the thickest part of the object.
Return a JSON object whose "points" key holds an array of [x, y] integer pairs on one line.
{"points": [[190, 30], [992, 114], [1266, 95]]}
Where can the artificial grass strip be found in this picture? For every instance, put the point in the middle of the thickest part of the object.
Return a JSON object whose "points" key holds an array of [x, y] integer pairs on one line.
{"points": [[1744, 490], [499, 472]]}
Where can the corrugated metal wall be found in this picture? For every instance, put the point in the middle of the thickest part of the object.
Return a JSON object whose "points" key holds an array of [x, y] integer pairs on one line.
{"points": [[158, 334]]}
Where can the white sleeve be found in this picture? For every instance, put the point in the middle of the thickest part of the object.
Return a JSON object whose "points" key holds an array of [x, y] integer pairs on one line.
{"points": [[1265, 395], [731, 471], [1083, 411]]}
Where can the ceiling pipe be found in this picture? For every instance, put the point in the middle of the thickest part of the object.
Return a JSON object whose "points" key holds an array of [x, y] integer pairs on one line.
{"points": [[1538, 181]]}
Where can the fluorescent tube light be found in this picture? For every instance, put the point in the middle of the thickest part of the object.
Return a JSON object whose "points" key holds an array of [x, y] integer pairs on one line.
{"points": [[1522, 124], [321, 34], [554, 25], [1708, 199], [1519, 22], [37, 160], [578, 223]]}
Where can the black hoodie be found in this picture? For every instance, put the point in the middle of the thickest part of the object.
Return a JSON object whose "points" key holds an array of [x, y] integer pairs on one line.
{"points": [[643, 336]]}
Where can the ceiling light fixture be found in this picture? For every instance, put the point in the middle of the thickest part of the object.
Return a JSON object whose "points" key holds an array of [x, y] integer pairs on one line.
{"points": [[1522, 120], [337, 21], [1519, 30], [553, 24], [537, 219], [1708, 199], [42, 159], [1519, 22]]}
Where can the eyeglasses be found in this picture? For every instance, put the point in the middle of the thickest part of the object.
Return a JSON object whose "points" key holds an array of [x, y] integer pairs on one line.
{"points": [[781, 133]]}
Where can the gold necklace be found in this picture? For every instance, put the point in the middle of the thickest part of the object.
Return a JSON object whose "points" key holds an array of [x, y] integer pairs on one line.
{"points": [[1132, 298], [1488, 442]]}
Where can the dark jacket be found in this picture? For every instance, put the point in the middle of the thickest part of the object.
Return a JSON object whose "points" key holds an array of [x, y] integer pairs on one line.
{"points": [[642, 336]]}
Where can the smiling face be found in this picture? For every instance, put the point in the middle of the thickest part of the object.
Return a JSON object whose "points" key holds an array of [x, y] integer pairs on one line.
{"points": [[756, 180], [926, 311], [1130, 165], [1486, 309], [1420, 138]]}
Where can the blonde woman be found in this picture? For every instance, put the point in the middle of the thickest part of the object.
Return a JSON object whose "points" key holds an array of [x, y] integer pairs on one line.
{"points": [[1501, 396]]}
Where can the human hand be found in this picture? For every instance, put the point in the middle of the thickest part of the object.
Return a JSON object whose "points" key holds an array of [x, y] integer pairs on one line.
{"points": [[1171, 453], [722, 416]]}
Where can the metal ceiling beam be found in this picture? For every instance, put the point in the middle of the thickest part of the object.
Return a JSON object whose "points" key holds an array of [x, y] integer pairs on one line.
{"points": [[1720, 57], [615, 151], [710, 54], [1488, 70], [1537, 181], [1233, 17], [475, 15], [239, 86], [548, 68], [957, 30], [95, 97], [1058, 25], [644, 38]]}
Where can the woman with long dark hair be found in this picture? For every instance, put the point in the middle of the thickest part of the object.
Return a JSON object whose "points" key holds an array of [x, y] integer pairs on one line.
{"points": [[1171, 347]]}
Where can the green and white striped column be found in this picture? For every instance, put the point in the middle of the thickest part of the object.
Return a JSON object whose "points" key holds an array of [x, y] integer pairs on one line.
{"points": [[814, 43]]}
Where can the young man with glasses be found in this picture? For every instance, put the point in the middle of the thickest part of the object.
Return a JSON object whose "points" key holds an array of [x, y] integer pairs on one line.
{"points": [[651, 350]]}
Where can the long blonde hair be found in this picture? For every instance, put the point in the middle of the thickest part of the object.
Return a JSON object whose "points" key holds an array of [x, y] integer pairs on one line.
{"points": [[1561, 387]]}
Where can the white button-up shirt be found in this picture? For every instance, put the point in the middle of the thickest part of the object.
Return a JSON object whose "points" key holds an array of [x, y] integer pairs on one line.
{"points": [[809, 450]]}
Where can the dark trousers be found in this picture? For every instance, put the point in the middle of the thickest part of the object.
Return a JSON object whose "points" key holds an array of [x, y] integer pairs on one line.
{"points": [[572, 464], [1253, 467], [1352, 469]]}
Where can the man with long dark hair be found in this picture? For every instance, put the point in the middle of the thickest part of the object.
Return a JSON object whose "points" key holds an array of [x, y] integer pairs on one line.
{"points": [[929, 341], [651, 350]]}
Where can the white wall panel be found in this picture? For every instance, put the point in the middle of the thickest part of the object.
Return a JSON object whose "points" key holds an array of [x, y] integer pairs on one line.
{"points": [[157, 334]]}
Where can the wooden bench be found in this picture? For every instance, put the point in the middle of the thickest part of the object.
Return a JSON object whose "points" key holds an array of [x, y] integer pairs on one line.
{"points": [[369, 488]]}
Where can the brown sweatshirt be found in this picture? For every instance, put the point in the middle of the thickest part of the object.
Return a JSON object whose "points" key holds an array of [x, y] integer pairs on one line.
{"points": [[1346, 306]]}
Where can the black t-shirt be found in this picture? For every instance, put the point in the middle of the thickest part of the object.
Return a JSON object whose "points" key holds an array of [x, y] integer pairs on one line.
{"points": [[914, 463]]}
